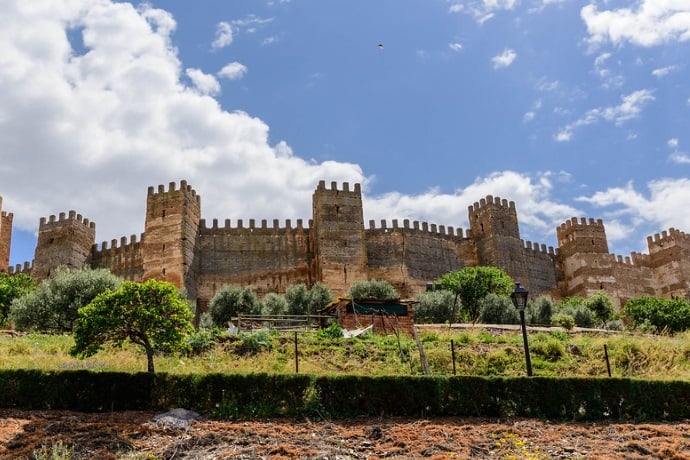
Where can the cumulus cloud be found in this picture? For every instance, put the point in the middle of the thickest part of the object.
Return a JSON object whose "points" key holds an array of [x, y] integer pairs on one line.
{"points": [[504, 59], [223, 35], [655, 210], [483, 10], [630, 107], [233, 71], [204, 83], [650, 23], [455, 46], [96, 126]]}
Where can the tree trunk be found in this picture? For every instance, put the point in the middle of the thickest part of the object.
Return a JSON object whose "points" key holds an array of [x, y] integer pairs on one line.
{"points": [[149, 359]]}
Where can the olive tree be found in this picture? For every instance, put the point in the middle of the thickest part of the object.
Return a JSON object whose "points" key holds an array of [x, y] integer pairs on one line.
{"points": [[151, 315], [231, 301], [373, 289], [472, 284], [53, 306], [434, 307], [13, 287]]}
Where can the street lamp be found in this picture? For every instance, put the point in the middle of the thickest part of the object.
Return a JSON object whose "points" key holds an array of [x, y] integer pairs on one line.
{"points": [[519, 298]]}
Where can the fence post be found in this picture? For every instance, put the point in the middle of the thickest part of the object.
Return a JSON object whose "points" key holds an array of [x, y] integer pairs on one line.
{"points": [[296, 356]]}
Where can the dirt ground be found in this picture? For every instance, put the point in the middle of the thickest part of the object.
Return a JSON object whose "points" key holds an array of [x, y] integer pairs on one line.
{"points": [[137, 435]]}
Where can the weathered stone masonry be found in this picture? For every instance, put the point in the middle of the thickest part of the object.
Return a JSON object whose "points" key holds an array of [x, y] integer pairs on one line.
{"points": [[334, 247]]}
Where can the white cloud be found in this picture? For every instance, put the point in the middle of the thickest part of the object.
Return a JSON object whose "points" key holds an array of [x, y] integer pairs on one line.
{"points": [[651, 23], [658, 210], [630, 107], [204, 83], [673, 143], [455, 46], [528, 117], [679, 158], [233, 71], [601, 69], [269, 40], [504, 59], [223, 35], [539, 215], [663, 71], [483, 10], [96, 128]]}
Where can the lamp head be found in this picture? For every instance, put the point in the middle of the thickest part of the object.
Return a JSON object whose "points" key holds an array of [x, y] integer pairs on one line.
{"points": [[519, 297]]}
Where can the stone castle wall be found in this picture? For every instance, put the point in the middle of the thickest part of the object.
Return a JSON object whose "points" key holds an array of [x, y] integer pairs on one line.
{"points": [[336, 249], [5, 238]]}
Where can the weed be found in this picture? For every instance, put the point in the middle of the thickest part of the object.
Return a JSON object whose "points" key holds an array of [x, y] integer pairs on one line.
{"points": [[54, 451]]}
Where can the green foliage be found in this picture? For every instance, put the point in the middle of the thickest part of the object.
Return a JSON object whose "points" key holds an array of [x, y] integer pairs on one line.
{"points": [[53, 306], [434, 307], [274, 304], [547, 347], [563, 320], [472, 284], [334, 331], [151, 315], [574, 301], [54, 451], [230, 301], [372, 289], [201, 341], [543, 310], [601, 307], [303, 301], [254, 342], [671, 315], [497, 309], [13, 287], [319, 297], [581, 314]]}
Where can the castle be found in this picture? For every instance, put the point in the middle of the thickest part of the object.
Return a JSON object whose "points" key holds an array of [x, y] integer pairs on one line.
{"points": [[337, 249]]}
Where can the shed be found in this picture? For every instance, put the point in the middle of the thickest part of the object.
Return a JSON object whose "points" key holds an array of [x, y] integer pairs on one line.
{"points": [[386, 316]]}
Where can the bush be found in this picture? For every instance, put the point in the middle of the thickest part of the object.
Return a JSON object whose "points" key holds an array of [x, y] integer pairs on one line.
{"points": [[581, 314], [13, 287], [543, 310], [231, 301], [563, 320], [372, 289], [601, 307], [334, 331], [672, 315], [254, 342], [274, 304], [303, 301], [53, 306], [497, 309], [434, 307]]}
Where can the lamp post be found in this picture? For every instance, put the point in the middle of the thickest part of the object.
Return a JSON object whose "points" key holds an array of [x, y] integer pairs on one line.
{"points": [[519, 298]]}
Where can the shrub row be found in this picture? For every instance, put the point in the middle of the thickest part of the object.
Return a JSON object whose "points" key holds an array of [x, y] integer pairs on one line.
{"points": [[264, 395]]}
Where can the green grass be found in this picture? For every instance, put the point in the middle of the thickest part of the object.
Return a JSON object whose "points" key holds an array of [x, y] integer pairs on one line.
{"points": [[477, 352]]}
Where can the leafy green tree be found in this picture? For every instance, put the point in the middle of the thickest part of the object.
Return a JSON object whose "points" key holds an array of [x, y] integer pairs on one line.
{"points": [[601, 307], [434, 307], [319, 297], [230, 301], [496, 309], [472, 284], [297, 296], [574, 301], [372, 289], [672, 315], [274, 304], [12, 287], [581, 314], [53, 306], [543, 309], [151, 315]]}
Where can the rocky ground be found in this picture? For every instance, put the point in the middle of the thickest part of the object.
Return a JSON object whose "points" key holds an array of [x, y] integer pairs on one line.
{"points": [[146, 435]]}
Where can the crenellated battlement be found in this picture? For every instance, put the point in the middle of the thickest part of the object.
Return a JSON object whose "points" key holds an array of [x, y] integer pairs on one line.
{"points": [[488, 203], [172, 187], [537, 247], [122, 246], [422, 227], [635, 259], [573, 225], [673, 236], [239, 225], [334, 187], [71, 218], [26, 267], [6, 214]]}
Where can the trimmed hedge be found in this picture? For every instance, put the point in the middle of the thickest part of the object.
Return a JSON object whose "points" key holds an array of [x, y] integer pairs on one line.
{"points": [[270, 395]]}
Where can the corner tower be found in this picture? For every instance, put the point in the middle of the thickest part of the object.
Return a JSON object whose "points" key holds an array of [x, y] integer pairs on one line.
{"points": [[584, 252], [66, 240], [495, 231], [170, 236], [339, 244], [5, 238]]}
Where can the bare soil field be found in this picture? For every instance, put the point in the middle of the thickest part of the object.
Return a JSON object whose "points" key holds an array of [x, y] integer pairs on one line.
{"points": [[137, 435]]}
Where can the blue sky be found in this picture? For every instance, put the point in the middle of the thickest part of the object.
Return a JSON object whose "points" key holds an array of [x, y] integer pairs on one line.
{"points": [[568, 108]]}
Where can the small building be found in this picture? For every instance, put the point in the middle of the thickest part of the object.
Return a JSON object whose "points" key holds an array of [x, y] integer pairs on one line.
{"points": [[386, 316]]}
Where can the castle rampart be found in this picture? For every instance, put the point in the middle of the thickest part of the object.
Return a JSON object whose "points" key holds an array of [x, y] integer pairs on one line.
{"points": [[335, 248]]}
